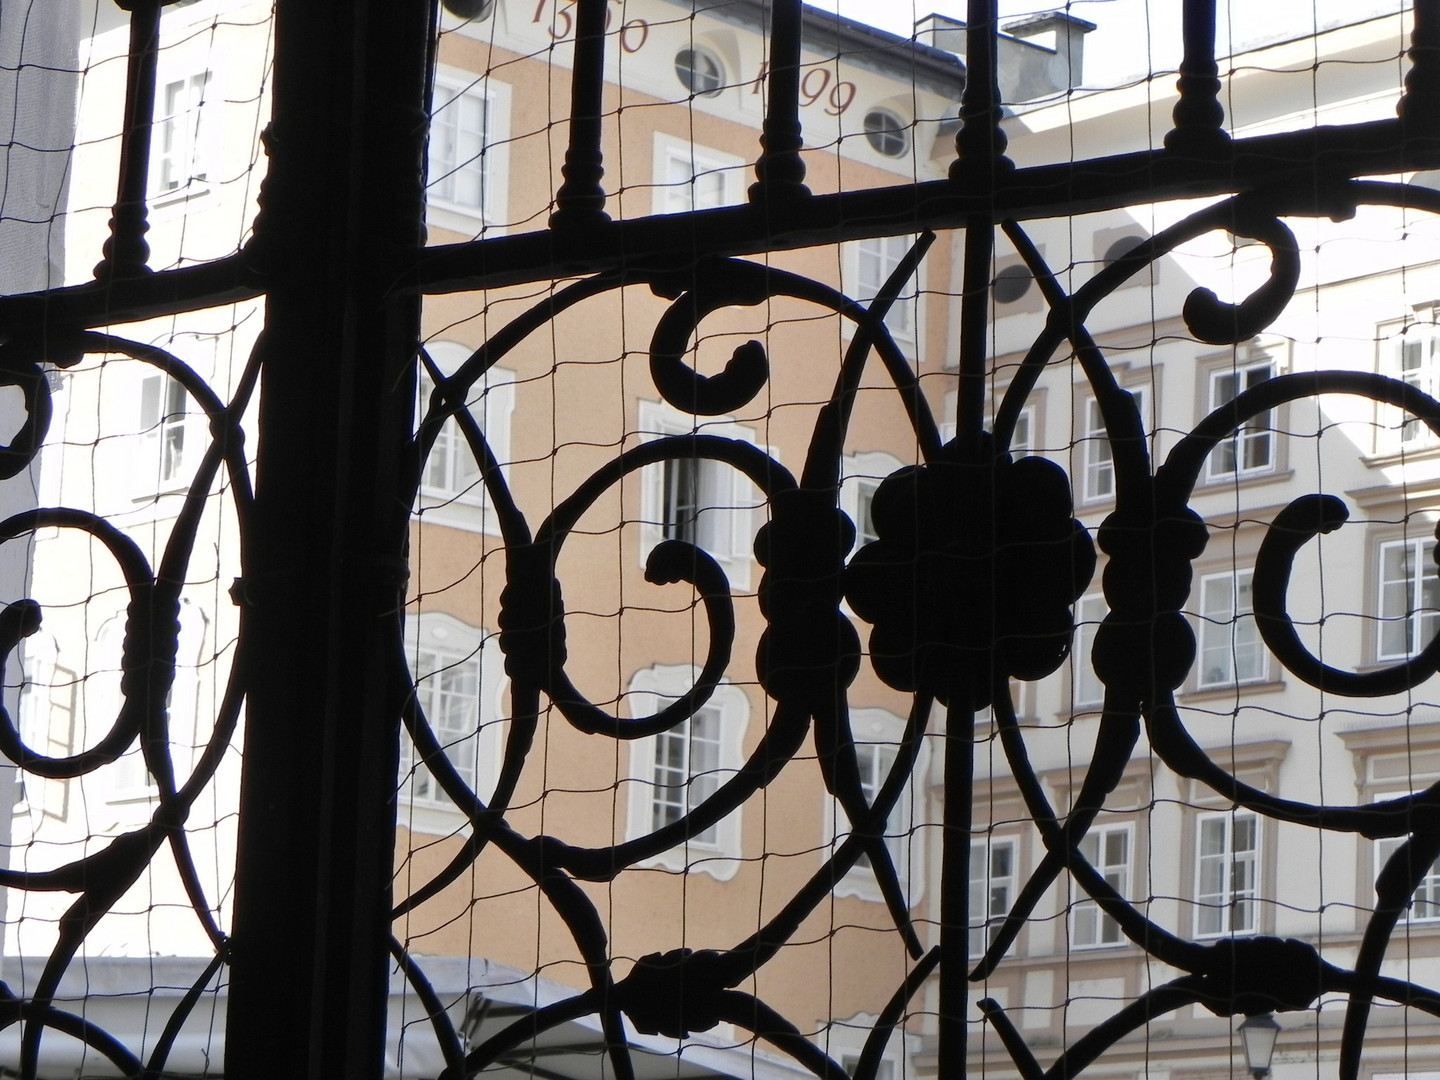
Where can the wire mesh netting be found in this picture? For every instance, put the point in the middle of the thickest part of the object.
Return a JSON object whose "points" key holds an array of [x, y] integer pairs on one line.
{"points": [[871, 545]]}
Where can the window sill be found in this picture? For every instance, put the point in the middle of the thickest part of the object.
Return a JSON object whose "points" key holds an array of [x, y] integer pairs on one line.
{"points": [[1107, 948], [1229, 690], [1214, 485], [430, 818], [181, 196], [695, 859], [453, 217], [455, 514], [1421, 451]]}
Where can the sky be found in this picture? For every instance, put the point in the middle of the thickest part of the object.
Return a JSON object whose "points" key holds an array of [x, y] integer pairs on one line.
{"points": [[1118, 50]]}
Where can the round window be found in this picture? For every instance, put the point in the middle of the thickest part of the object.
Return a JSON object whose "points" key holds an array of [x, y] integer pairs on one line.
{"points": [[1012, 283], [886, 133], [1120, 248], [469, 9], [699, 72]]}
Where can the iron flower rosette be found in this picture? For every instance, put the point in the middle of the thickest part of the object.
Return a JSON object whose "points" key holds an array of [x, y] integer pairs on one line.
{"points": [[973, 573]]}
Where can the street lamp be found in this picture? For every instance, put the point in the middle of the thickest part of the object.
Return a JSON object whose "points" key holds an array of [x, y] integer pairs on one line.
{"points": [[1257, 1038]]}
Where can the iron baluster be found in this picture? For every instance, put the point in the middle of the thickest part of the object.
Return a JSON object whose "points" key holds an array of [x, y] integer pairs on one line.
{"points": [[780, 171], [580, 202], [1198, 115]]}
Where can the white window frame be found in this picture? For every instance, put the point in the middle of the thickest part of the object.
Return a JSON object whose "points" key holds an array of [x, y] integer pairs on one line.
{"points": [[1252, 450], [1429, 885], [1228, 633], [182, 153], [877, 734], [459, 498], [438, 645], [1086, 689], [1090, 927], [983, 890], [690, 177], [1419, 623], [860, 476], [1098, 459], [453, 88], [1221, 907], [166, 416], [844, 1041], [869, 263], [724, 522], [717, 851], [1412, 355]]}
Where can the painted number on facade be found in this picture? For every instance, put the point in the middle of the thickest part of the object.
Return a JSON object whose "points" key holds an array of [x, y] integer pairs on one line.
{"points": [[633, 34], [818, 85]]}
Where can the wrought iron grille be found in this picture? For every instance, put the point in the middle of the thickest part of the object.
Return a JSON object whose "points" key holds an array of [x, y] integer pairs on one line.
{"points": [[968, 582]]}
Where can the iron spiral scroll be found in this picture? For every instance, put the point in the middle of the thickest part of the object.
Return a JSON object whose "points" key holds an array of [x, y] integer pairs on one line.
{"points": [[969, 584]]}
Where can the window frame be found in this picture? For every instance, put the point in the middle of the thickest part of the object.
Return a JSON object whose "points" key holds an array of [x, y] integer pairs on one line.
{"points": [[694, 50], [989, 924], [1229, 896], [1415, 617], [866, 268], [490, 214], [1096, 456], [468, 506], [700, 161], [1422, 331], [1262, 429], [732, 500], [649, 690], [1227, 625], [458, 642], [1082, 904], [862, 473], [877, 734], [164, 431], [194, 159], [1087, 625]]}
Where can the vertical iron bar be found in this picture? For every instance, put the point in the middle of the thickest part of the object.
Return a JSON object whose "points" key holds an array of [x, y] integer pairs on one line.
{"points": [[955, 871], [1420, 103], [1198, 115], [581, 199], [324, 560], [780, 170], [126, 254], [980, 145]]}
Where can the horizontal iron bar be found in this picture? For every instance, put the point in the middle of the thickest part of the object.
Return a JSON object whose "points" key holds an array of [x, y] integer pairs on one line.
{"points": [[1373, 149]]}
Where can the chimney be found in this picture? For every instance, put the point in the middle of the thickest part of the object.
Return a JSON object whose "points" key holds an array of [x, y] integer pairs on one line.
{"points": [[1064, 36]]}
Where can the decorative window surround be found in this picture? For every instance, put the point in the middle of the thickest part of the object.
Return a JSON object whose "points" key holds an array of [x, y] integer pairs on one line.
{"points": [[690, 177], [460, 684], [652, 800], [994, 878], [1252, 451], [468, 175], [451, 489], [877, 734], [1097, 457], [1408, 597], [1230, 651], [700, 500], [182, 142], [868, 264]]}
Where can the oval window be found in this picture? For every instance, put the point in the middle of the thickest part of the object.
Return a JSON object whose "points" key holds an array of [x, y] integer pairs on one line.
{"points": [[699, 72], [886, 133], [1012, 283]]}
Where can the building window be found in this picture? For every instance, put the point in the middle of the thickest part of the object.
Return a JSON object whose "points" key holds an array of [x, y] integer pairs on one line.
{"points": [[699, 71], [1087, 691], [1227, 874], [452, 491], [1416, 361], [163, 408], [1012, 283], [1252, 449], [1022, 438], [860, 477], [696, 499], [1231, 651], [457, 688], [687, 771], [1409, 598], [877, 738], [676, 771], [460, 132], [1425, 902], [886, 133], [876, 260], [1099, 456], [692, 178], [1107, 848], [992, 888], [180, 146]]}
